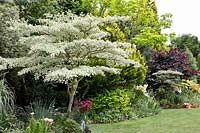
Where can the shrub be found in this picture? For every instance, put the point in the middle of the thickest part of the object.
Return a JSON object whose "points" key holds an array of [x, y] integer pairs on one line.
{"points": [[143, 105], [163, 84], [118, 99], [111, 116], [129, 77], [66, 125], [38, 126], [80, 110], [188, 95], [175, 59], [192, 85]]}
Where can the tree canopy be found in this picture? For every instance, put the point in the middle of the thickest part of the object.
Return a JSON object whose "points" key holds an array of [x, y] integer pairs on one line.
{"points": [[63, 47]]}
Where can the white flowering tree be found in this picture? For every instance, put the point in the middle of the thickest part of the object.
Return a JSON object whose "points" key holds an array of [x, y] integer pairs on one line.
{"points": [[63, 47]]}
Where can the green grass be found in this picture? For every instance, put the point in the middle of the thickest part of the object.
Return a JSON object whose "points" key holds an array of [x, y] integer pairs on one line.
{"points": [[168, 121]]}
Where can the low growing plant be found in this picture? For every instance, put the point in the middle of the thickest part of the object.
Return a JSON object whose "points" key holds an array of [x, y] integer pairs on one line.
{"points": [[39, 126], [7, 116], [63, 124], [143, 105]]}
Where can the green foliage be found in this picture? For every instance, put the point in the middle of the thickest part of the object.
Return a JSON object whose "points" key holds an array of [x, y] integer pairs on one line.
{"points": [[111, 116], [143, 105], [136, 76], [163, 85], [7, 115], [118, 99], [42, 109], [191, 59], [37, 126], [75, 6], [152, 38], [65, 125], [198, 61], [129, 77], [35, 9], [187, 41], [6, 98], [144, 27], [8, 37], [61, 49]]}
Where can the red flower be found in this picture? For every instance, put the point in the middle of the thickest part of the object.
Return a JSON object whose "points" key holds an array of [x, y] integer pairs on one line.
{"points": [[86, 105]]}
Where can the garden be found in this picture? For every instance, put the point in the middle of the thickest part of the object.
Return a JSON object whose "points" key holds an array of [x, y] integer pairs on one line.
{"points": [[82, 66]]}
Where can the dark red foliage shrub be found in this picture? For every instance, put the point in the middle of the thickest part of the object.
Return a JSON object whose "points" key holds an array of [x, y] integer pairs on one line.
{"points": [[174, 59], [84, 105]]}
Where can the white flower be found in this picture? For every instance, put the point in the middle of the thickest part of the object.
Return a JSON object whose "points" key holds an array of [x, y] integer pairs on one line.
{"points": [[32, 113], [48, 120]]}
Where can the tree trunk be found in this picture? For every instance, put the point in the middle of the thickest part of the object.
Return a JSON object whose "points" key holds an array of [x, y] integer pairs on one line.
{"points": [[72, 87]]}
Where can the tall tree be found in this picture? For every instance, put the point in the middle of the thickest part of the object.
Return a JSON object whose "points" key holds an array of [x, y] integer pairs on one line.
{"points": [[187, 41], [144, 27], [63, 48]]}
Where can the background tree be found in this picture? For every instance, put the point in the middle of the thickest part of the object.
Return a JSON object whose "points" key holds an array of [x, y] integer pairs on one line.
{"points": [[187, 41], [63, 48], [35, 9], [144, 27], [8, 38]]}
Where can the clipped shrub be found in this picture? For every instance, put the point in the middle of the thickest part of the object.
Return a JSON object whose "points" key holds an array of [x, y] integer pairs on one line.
{"points": [[118, 99]]}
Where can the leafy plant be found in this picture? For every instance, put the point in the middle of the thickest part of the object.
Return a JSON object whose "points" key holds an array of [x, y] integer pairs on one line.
{"points": [[175, 59], [42, 109], [192, 85], [164, 84], [143, 105], [65, 125], [111, 116], [37, 126], [118, 99], [187, 41], [7, 115], [64, 54], [80, 109]]}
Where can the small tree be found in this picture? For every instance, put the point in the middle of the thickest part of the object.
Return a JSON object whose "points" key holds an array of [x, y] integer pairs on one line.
{"points": [[63, 48]]}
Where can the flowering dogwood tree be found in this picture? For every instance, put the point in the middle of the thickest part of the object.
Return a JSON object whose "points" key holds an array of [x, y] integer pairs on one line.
{"points": [[62, 48]]}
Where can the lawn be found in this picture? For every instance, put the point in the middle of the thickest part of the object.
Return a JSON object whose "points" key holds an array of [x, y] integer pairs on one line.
{"points": [[168, 121]]}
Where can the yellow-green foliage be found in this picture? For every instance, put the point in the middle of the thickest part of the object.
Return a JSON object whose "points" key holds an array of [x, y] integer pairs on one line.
{"points": [[152, 38], [138, 73], [118, 99], [192, 85], [115, 32], [144, 27]]}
